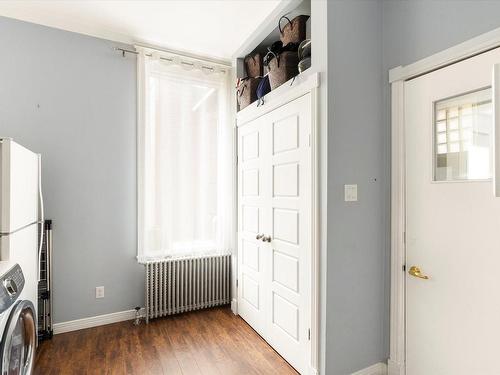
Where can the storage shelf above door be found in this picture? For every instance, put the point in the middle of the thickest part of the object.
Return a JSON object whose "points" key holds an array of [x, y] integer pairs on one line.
{"points": [[267, 31], [263, 37]]}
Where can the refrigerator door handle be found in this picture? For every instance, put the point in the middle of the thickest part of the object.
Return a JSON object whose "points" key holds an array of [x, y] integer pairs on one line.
{"points": [[2, 234]]}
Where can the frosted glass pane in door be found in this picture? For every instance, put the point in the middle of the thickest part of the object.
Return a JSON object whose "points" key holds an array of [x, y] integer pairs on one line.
{"points": [[462, 137]]}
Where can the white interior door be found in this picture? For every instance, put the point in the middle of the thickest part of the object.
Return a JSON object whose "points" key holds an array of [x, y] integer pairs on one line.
{"points": [[275, 228], [453, 222], [251, 203], [288, 253]]}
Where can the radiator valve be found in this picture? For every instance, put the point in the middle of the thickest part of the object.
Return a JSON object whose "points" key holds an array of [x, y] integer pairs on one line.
{"points": [[137, 320]]}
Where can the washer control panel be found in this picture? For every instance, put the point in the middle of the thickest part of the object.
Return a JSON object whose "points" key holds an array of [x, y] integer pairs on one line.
{"points": [[11, 286]]}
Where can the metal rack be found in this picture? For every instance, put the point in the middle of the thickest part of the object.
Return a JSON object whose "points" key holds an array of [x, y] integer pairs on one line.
{"points": [[45, 330]]}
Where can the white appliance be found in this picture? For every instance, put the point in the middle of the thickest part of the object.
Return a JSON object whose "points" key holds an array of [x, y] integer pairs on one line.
{"points": [[21, 215], [17, 323]]}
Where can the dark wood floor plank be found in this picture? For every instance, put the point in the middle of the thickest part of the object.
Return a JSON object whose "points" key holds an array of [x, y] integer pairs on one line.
{"points": [[195, 339], [247, 336], [246, 344], [239, 353], [205, 342], [180, 347], [164, 349], [134, 358]]}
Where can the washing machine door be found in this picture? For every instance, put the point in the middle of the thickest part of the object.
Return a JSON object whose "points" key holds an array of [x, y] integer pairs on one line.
{"points": [[19, 340]]}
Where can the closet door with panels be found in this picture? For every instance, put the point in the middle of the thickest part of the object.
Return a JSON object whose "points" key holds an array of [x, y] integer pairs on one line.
{"points": [[251, 169], [275, 228]]}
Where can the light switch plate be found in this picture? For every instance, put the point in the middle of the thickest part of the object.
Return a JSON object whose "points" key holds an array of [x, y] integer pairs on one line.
{"points": [[99, 292], [351, 193]]}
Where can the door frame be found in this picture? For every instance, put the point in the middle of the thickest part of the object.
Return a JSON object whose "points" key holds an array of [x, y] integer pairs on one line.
{"points": [[289, 91], [397, 77]]}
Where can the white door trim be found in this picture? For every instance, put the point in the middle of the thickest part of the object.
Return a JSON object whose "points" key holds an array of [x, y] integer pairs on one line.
{"points": [[396, 360], [397, 77], [303, 84]]}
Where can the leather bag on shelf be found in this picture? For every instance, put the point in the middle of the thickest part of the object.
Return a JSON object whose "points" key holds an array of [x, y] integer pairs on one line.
{"points": [[246, 92], [253, 65], [294, 30], [282, 68]]}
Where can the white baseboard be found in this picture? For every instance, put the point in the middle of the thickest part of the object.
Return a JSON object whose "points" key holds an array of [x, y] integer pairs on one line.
{"points": [[95, 321], [394, 368], [376, 369], [234, 306]]}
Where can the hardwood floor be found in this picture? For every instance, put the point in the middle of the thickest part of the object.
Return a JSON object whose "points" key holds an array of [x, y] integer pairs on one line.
{"points": [[208, 342]]}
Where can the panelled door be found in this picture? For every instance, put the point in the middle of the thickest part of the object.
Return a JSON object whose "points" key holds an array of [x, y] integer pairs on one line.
{"points": [[251, 203], [275, 228], [453, 221]]}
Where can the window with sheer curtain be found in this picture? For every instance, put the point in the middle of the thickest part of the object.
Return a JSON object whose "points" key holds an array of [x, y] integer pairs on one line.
{"points": [[184, 158]]}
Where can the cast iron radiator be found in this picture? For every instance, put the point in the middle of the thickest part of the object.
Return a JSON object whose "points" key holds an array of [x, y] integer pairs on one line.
{"points": [[178, 285]]}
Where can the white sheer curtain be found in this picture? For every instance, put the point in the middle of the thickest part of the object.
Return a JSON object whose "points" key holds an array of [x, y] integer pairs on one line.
{"points": [[184, 158]]}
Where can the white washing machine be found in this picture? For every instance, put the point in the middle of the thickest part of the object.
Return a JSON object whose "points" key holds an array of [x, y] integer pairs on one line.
{"points": [[17, 322]]}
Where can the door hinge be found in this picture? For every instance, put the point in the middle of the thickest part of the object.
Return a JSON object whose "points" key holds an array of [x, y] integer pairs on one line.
{"points": [[404, 267], [404, 237], [309, 334], [236, 283]]}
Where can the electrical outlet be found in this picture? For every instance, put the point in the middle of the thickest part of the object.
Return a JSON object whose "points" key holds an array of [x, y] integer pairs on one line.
{"points": [[350, 193], [99, 292]]}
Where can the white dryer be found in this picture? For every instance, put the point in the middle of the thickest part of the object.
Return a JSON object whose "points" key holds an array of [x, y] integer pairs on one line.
{"points": [[17, 322]]}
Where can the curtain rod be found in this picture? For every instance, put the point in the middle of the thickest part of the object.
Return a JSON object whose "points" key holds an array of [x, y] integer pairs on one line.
{"points": [[124, 51]]}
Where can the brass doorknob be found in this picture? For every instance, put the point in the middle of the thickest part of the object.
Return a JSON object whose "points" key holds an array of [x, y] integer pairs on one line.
{"points": [[415, 271]]}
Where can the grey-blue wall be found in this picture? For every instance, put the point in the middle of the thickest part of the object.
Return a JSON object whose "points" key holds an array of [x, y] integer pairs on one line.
{"points": [[72, 98], [415, 29], [356, 230]]}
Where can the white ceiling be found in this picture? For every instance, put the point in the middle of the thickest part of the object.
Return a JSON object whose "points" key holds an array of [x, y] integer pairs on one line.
{"points": [[212, 28]]}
